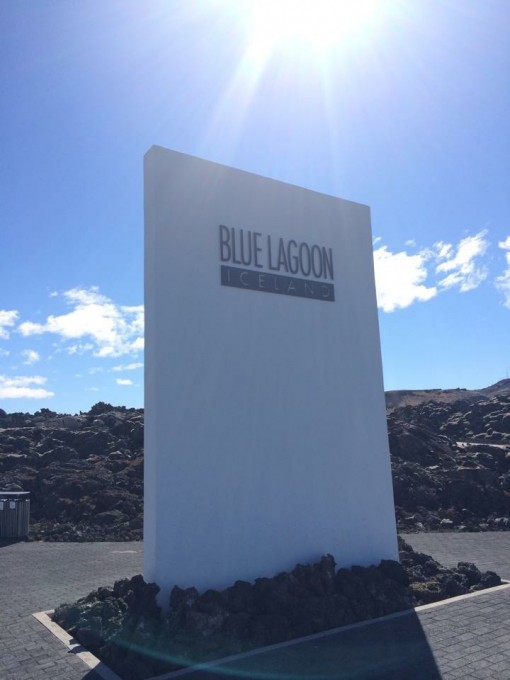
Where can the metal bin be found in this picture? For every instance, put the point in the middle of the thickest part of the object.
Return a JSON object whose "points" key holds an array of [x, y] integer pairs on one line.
{"points": [[14, 514]]}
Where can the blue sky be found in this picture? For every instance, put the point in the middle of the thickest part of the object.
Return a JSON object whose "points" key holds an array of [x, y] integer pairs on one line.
{"points": [[405, 108]]}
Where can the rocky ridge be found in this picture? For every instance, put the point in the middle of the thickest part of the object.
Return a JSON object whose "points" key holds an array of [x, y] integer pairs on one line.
{"points": [[450, 464], [400, 398]]}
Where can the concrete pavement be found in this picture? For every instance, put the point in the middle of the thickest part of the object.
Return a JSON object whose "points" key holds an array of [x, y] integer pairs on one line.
{"points": [[469, 638]]}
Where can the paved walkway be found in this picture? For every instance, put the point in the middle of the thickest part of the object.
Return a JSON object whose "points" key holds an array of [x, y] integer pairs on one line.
{"points": [[465, 639], [40, 576]]}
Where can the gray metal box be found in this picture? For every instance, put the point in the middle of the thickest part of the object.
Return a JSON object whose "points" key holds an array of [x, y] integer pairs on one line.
{"points": [[14, 514]]}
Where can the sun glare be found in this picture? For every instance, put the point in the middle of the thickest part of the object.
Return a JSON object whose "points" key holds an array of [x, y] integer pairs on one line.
{"points": [[320, 25], [289, 41]]}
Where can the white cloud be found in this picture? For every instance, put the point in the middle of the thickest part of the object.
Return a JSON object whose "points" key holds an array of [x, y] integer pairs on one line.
{"points": [[400, 279], [105, 328], [7, 319], [22, 387], [403, 279], [127, 367], [4, 352], [95, 369], [138, 345], [124, 381], [30, 356], [93, 389], [503, 281], [80, 348], [443, 250], [460, 265]]}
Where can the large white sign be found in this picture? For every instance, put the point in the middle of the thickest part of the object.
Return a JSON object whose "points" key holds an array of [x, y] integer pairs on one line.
{"points": [[265, 428]]}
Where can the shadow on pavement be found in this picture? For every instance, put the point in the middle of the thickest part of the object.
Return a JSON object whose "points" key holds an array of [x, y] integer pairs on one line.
{"points": [[395, 649], [4, 542], [91, 675]]}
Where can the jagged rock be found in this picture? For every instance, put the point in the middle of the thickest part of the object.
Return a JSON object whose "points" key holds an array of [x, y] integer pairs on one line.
{"points": [[60, 454], [86, 482], [450, 463], [118, 623]]}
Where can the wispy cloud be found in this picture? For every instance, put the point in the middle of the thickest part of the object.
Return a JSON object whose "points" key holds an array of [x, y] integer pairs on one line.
{"points": [[400, 279], [503, 281], [23, 387], [127, 367], [124, 381], [80, 348], [102, 327], [95, 369], [462, 264], [7, 319], [30, 356], [404, 278]]}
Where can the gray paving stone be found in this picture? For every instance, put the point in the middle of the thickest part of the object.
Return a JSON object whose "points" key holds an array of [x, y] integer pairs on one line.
{"points": [[39, 576], [465, 639]]}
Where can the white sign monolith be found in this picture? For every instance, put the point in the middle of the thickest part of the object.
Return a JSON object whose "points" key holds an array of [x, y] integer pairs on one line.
{"points": [[265, 428]]}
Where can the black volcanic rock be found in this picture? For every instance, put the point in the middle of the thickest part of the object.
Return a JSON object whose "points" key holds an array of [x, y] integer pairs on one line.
{"points": [[450, 462], [117, 623], [85, 472]]}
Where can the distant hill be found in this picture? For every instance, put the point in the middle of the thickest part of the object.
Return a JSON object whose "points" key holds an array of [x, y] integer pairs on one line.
{"points": [[398, 398]]}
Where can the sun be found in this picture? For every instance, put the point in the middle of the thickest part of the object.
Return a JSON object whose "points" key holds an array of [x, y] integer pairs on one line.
{"points": [[291, 45], [314, 25]]}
